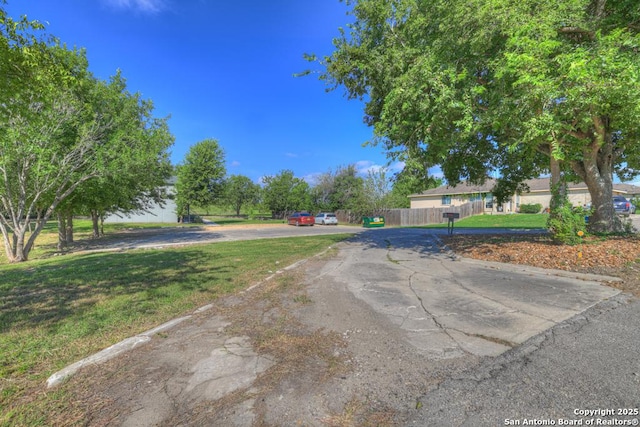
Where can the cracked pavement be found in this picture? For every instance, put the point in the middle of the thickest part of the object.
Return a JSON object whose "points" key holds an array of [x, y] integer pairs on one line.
{"points": [[589, 362], [430, 338], [448, 307]]}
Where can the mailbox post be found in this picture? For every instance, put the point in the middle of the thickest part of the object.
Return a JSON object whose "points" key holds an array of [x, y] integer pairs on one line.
{"points": [[450, 216]]}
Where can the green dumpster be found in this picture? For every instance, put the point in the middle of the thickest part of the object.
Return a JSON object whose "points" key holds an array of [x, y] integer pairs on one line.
{"points": [[372, 221]]}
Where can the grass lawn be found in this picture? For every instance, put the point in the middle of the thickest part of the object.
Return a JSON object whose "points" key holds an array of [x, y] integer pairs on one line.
{"points": [[83, 229], [230, 220], [499, 221], [55, 311]]}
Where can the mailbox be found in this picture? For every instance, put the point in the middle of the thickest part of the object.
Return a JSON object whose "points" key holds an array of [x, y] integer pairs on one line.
{"points": [[450, 216]]}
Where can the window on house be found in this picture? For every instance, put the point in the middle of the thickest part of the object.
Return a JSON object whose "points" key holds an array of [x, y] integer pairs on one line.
{"points": [[489, 201], [446, 200]]}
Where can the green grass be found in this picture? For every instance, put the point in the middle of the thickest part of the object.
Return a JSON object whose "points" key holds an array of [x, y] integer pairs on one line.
{"points": [[56, 311], [230, 220], [83, 229], [523, 221], [85, 226]]}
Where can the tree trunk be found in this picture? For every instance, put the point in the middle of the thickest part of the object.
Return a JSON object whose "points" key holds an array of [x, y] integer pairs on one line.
{"points": [[62, 232], [10, 239], [17, 246], [94, 221], [69, 227], [558, 186], [596, 169], [19, 254], [603, 219]]}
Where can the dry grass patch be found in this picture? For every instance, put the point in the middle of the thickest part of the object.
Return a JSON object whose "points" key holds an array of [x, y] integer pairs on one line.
{"points": [[360, 414]]}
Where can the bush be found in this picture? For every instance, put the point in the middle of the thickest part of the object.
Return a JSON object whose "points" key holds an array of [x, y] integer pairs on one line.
{"points": [[566, 221], [533, 208], [196, 219]]}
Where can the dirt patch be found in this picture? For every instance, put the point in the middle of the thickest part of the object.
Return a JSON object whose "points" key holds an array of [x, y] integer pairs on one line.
{"points": [[615, 256]]}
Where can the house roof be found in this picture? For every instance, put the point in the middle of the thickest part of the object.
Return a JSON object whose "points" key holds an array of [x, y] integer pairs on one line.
{"points": [[461, 188], [535, 185], [629, 189]]}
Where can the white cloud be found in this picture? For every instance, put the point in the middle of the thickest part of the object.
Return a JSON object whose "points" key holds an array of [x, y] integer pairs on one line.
{"points": [[312, 178], [235, 164], [146, 6], [365, 166], [292, 155], [395, 167]]}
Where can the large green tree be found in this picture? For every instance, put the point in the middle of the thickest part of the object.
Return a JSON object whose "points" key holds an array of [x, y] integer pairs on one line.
{"points": [[321, 191], [54, 135], [376, 190], [515, 86], [240, 191], [137, 175], [284, 193], [348, 191], [200, 177], [340, 190]]}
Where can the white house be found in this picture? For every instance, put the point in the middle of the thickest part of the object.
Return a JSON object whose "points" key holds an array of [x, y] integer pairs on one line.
{"points": [[155, 213]]}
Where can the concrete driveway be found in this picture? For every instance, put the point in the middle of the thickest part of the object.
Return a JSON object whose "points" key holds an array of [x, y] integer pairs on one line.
{"points": [[448, 306], [405, 306]]}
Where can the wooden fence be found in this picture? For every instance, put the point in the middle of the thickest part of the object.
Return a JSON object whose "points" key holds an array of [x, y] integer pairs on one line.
{"points": [[421, 216]]}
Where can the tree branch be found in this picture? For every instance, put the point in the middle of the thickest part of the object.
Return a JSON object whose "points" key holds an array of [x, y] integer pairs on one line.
{"points": [[577, 32]]}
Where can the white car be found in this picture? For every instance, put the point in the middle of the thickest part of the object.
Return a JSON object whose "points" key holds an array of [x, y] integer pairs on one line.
{"points": [[325, 218]]}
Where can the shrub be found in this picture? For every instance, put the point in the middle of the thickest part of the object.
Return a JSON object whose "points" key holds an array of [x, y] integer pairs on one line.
{"points": [[533, 208], [566, 221], [192, 219]]}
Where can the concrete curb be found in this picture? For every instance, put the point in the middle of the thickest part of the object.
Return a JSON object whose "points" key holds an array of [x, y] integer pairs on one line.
{"points": [[111, 352], [538, 270], [527, 268], [132, 342]]}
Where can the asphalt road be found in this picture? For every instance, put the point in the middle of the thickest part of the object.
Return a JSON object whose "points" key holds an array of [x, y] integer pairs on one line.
{"points": [[584, 371], [178, 236]]}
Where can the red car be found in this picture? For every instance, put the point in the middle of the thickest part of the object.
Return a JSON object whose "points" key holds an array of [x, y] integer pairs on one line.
{"points": [[301, 218]]}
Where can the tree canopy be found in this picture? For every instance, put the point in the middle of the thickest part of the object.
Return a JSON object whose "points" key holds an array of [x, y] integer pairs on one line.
{"points": [[241, 191], [60, 127], [520, 87], [200, 177], [283, 194], [137, 175]]}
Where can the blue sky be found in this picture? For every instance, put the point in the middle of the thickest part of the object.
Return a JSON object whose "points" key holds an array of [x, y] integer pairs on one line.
{"points": [[224, 69]]}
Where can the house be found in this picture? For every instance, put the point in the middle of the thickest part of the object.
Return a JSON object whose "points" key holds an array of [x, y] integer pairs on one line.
{"points": [[167, 213], [539, 192]]}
